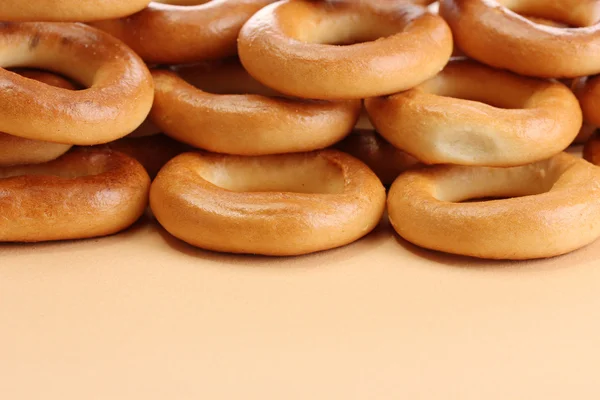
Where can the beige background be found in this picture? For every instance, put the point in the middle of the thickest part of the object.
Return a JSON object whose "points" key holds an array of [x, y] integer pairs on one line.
{"points": [[142, 315]]}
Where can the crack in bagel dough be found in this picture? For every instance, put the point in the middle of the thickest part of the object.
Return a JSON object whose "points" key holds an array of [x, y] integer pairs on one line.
{"points": [[278, 205], [343, 49], [495, 33], [68, 10], [85, 193], [244, 123], [471, 114], [184, 31], [552, 207], [118, 90]]}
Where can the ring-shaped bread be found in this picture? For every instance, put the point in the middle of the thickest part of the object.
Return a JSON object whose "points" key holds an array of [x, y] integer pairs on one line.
{"points": [[68, 10], [343, 49], [118, 94], [494, 33], [85, 193], [471, 114], [15, 150], [553, 207], [271, 205], [246, 124], [184, 32]]}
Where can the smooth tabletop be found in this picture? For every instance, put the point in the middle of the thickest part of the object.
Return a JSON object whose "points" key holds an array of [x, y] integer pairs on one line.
{"points": [[143, 315]]}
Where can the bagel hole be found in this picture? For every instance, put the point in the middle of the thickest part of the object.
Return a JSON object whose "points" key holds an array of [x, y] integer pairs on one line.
{"points": [[557, 14], [78, 171], [465, 80], [48, 77], [290, 173], [341, 23], [226, 77], [480, 184], [486, 199], [458, 90], [547, 22], [182, 2]]}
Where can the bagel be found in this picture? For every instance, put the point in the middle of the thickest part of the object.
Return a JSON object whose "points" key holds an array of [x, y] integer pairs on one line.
{"points": [[271, 205], [298, 47], [558, 213], [494, 33], [384, 159], [119, 86], [83, 194], [470, 114], [68, 10], [182, 34], [15, 150], [591, 150], [153, 152], [246, 124]]}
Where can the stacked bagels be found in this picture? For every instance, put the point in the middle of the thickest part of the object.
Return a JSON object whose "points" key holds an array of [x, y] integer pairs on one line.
{"points": [[246, 112]]}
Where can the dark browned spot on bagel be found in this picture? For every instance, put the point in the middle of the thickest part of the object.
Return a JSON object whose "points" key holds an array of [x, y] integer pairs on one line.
{"points": [[34, 42], [6, 25]]}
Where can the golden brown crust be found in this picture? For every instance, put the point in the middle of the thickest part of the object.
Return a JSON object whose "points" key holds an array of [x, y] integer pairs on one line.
{"points": [[558, 213], [18, 151], [470, 114], [274, 205], [180, 34], [384, 159], [247, 124], [153, 152], [117, 101], [68, 10], [85, 193], [291, 47], [15, 150], [495, 35]]}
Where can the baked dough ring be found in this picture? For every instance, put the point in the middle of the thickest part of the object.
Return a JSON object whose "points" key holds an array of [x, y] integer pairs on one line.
{"points": [[85, 193], [384, 159], [68, 10], [247, 124], [181, 34], [559, 213], [15, 150], [447, 120], [272, 205], [490, 32], [118, 98], [291, 46]]}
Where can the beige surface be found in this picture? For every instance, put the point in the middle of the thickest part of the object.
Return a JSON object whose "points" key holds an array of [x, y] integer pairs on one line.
{"points": [[142, 315]]}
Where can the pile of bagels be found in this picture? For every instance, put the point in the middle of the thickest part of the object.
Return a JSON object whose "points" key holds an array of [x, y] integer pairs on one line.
{"points": [[273, 127]]}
